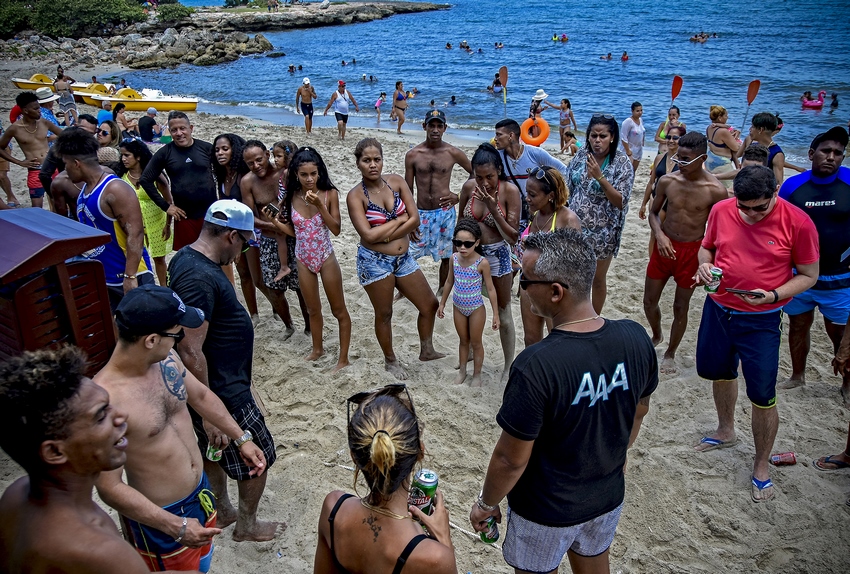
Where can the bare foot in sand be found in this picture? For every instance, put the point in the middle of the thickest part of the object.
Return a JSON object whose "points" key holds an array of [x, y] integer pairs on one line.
{"points": [[460, 378], [657, 340], [668, 366], [341, 364], [469, 360], [791, 383], [314, 355], [284, 271], [225, 515], [260, 532], [395, 369], [476, 381], [288, 333], [429, 354]]}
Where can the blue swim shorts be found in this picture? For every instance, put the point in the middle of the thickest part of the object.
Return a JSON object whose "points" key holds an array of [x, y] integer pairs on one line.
{"points": [[727, 336], [373, 266], [436, 227], [307, 110], [834, 304], [499, 257]]}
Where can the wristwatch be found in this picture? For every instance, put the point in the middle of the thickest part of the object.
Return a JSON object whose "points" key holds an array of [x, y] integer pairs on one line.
{"points": [[243, 439], [483, 505]]}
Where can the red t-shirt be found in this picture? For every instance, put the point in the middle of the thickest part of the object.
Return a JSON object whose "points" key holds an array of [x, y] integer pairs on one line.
{"points": [[759, 255]]}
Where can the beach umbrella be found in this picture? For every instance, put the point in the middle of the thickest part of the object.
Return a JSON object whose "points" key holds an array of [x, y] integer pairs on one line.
{"points": [[675, 88], [503, 77], [752, 92]]}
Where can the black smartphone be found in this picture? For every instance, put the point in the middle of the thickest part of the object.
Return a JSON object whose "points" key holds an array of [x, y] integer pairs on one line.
{"points": [[273, 209], [745, 292]]}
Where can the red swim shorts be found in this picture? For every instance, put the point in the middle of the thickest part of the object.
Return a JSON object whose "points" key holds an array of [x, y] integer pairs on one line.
{"points": [[186, 232], [682, 268]]}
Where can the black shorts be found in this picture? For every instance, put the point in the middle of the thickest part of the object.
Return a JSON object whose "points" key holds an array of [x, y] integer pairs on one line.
{"points": [[307, 110], [341, 117], [249, 418]]}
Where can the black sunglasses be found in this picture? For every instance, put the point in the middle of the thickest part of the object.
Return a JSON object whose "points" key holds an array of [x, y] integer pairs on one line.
{"points": [[674, 138], [105, 133], [178, 336], [757, 208], [524, 283], [246, 243], [467, 244], [539, 173], [391, 390]]}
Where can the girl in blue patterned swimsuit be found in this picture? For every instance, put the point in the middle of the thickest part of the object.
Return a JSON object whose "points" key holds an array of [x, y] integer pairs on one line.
{"points": [[468, 272]]}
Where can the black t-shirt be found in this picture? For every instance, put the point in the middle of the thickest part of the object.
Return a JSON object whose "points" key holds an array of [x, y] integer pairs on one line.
{"points": [[229, 345], [192, 185], [575, 395], [146, 124]]}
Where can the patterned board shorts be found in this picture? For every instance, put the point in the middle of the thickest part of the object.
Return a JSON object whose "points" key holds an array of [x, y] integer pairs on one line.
{"points": [[249, 418], [270, 264], [436, 227], [499, 257], [537, 548]]}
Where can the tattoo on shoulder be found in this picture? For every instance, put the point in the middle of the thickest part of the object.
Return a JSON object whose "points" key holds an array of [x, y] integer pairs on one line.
{"points": [[173, 378], [372, 522]]}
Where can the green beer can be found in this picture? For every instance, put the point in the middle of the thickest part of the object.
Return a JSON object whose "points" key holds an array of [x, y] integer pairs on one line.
{"points": [[213, 453], [716, 276], [422, 491], [490, 535]]}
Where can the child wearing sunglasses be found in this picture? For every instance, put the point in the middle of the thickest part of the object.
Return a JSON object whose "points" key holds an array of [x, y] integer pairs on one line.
{"points": [[469, 271]]}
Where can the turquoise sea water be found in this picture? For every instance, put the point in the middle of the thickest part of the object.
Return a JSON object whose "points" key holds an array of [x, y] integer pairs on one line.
{"points": [[791, 46]]}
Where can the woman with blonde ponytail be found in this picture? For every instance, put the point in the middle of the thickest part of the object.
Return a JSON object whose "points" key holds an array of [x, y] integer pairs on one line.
{"points": [[380, 533]]}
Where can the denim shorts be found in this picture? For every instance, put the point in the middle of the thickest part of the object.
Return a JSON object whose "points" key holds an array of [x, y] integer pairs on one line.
{"points": [[373, 266], [727, 336]]}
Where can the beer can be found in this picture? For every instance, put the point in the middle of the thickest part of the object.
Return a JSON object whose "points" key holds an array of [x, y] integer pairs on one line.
{"points": [[717, 275], [422, 491], [783, 459], [213, 453], [490, 535]]}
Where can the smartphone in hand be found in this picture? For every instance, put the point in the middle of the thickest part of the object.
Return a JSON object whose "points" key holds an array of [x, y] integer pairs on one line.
{"points": [[755, 294]]}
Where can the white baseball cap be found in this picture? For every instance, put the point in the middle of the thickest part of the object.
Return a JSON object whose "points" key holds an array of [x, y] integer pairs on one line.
{"points": [[237, 215], [306, 81]]}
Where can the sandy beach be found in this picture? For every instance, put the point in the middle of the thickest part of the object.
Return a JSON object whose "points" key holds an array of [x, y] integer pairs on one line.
{"points": [[685, 512]]}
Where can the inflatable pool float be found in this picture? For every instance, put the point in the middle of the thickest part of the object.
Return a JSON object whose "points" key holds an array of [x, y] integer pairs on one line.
{"points": [[815, 104], [525, 131]]}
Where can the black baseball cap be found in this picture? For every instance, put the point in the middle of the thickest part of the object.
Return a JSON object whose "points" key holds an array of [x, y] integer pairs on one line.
{"points": [[435, 115], [836, 134], [152, 309]]}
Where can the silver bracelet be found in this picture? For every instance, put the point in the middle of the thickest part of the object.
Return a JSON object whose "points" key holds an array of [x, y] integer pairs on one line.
{"points": [[182, 532], [483, 505]]}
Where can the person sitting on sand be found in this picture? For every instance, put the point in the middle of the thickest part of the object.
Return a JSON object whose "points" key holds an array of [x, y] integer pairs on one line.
{"points": [[468, 273], [745, 328], [384, 214], [385, 442], [61, 428], [129, 127], [310, 211]]}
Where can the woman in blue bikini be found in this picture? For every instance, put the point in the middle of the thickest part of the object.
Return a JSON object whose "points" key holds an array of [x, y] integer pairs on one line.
{"points": [[399, 104], [384, 213]]}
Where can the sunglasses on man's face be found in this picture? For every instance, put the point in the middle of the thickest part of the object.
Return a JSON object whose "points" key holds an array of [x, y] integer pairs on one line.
{"points": [[681, 163], [178, 336], [391, 390], [757, 208], [467, 244], [525, 283]]}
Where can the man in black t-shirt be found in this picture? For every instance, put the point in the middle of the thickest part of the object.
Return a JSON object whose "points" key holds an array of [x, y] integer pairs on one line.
{"points": [[573, 405], [219, 354], [148, 128], [187, 163]]}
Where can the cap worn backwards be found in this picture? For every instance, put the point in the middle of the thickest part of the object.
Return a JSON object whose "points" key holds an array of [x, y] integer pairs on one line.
{"points": [[236, 214]]}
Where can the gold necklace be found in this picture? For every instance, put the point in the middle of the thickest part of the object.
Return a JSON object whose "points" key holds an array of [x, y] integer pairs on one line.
{"points": [[548, 221], [383, 511], [577, 321], [518, 157], [35, 129]]}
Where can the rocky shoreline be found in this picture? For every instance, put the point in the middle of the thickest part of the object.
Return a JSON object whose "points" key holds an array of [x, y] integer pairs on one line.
{"points": [[210, 36]]}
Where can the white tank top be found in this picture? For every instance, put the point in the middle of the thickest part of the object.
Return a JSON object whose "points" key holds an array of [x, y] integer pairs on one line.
{"points": [[341, 103]]}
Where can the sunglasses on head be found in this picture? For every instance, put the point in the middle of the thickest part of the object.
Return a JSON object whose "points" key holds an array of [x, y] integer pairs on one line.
{"points": [[757, 208], [603, 116], [524, 283], [467, 244], [104, 133], [391, 390], [178, 336], [540, 174], [681, 163]]}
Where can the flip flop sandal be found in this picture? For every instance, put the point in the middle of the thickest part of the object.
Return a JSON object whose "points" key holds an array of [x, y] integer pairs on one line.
{"points": [[759, 486], [839, 464]]}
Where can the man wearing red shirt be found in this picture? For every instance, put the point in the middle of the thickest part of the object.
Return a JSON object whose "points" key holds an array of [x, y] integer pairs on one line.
{"points": [[757, 239]]}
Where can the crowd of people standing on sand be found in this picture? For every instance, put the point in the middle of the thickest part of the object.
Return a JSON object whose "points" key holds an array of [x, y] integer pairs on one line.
{"points": [[574, 400]]}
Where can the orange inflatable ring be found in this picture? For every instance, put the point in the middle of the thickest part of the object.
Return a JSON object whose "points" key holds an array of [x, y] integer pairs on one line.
{"points": [[525, 131]]}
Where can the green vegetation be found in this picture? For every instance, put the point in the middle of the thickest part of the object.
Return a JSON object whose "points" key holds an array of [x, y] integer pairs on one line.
{"points": [[14, 17], [173, 12], [78, 18]]}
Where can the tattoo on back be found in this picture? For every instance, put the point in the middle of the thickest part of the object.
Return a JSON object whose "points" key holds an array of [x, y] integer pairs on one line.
{"points": [[373, 524], [173, 378]]}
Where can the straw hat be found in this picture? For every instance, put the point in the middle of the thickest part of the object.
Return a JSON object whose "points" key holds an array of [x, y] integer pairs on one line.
{"points": [[45, 95], [539, 96]]}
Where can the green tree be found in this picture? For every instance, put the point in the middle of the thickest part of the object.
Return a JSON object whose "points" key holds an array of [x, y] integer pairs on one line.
{"points": [[77, 18], [14, 17], [173, 12]]}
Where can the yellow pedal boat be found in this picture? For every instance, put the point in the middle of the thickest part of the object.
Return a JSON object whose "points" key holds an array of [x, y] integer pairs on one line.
{"points": [[140, 102]]}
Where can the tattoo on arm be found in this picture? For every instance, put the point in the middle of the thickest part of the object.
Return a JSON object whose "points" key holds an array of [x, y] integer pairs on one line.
{"points": [[173, 378]]}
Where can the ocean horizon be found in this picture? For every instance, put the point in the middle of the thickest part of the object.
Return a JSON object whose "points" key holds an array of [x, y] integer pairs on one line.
{"points": [[753, 43]]}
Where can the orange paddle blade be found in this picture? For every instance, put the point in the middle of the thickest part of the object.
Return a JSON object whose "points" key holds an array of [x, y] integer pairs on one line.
{"points": [[503, 75], [677, 86], [753, 91]]}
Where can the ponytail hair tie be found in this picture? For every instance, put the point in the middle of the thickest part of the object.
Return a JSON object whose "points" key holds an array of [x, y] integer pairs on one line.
{"points": [[380, 431]]}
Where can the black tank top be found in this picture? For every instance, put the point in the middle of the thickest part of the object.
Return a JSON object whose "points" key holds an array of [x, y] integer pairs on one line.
{"points": [[402, 559]]}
